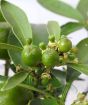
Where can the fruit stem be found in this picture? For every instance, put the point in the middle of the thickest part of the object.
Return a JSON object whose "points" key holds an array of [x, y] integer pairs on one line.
{"points": [[7, 65], [35, 89]]}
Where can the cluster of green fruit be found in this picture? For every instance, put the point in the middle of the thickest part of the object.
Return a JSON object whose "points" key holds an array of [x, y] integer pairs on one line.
{"points": [[43, 57], [81, 100], [53, 54]]}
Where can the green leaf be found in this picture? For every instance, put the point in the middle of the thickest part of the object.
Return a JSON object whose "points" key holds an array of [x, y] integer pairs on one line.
{"points": [[83, 51], [10, 47], [61, 8], [44, 102], [1, 17], [4, 31], [2, 79], [72, 74], [14, 81], [70, 27], [54, 29], [83, 8], [60, 76], [18, 21], [12, 96], [4, 25], [40, 33], [83, 68], [15, 55]]}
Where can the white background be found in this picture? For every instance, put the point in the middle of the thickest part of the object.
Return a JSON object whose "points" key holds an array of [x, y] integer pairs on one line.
{"points": [[37, 14]]}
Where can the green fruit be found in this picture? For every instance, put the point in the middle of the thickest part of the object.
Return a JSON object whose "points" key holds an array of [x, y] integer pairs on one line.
{"points": [[45, 78], [29, 41], [71, 56], [64, 45], [42, 45], [15, 96], [31, 55], [52, 38], [50, 58]]}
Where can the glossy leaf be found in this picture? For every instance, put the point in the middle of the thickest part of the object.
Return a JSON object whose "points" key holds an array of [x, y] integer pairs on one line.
{"points": [[15, 55], [14, 80], [18, 21], [40, 33], [4, 31], [61, 8], [60, 76], [53, 28], [83, 8], [1, 17], [83, 68], [2, 79], [44, 102], [4, 25], [12, 96], [72, 74], [10, 47], [83, 51], [70, 27]]}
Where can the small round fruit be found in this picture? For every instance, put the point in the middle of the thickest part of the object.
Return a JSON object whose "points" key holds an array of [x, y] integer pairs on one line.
{"points": [[45, 78], [52, 38], [71, 56], [42, 45], [29, 41], [31, 55], [64, 45], [50, 58]]}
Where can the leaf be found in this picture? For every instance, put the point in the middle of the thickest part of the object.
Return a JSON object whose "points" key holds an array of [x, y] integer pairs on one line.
{"points": [[12, 96], [54, 29], [40, 33], [83, 68], [2, 79], [60, 76], [72, 74], [18, 21], [1, 17], [4, 25], [14, 81], [4, 31], [70, 27], [83, 8], [15, 55], [10, 47], [83, 51], [44, 102], [49, 102], [61, 8]]}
